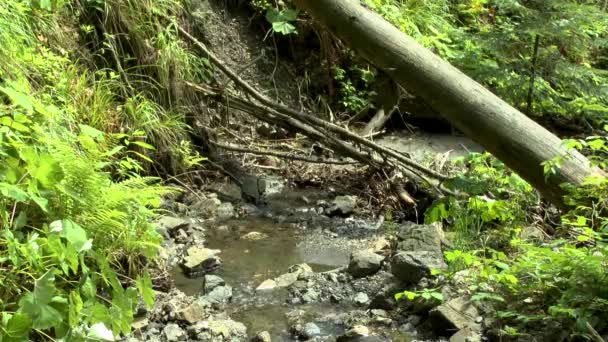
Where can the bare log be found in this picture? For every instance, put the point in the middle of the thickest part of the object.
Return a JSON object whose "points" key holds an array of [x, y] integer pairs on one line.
{"points": [[522, 144]]}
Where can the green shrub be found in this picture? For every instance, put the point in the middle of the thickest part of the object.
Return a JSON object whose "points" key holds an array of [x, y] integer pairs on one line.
{"points": [[75, 213]]}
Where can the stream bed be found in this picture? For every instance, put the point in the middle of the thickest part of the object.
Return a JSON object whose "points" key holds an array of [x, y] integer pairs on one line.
{"points": [[264, 246]]}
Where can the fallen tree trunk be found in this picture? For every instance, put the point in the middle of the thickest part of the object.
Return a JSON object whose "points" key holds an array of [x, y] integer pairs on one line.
{"points": [[522, 144]]}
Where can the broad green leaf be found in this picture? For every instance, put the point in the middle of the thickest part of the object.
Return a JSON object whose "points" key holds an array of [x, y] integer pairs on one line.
{"points": [[90, 131], [144, 286], [437, 212], [35, 303], [42, 202], [72, 232], [19, 98], [273, 15], [19, 325], [289, 14], [468, 185], [437, 295], [13, 192], [88, 288], [44, 316], [46, 5], [47, 171], [283, 27]]}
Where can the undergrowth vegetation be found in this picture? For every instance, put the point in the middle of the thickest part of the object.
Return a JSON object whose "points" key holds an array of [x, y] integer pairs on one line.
{"points": [[540, 272], [79, 129]]}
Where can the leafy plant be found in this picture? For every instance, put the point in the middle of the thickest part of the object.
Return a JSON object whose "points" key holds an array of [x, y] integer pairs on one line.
{"points": [[281, 20], [75, 213]]}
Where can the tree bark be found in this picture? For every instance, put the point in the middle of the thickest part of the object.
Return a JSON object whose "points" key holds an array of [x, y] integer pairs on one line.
{"points": [[512, 137]]}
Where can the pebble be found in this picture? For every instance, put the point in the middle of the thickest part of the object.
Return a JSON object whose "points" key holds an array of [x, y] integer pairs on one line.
{"points": [[262, 336], [361, 298], [311, 330]]}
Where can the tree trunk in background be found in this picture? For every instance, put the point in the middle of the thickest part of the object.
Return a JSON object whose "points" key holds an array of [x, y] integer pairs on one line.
{"points": [[518, 141]]}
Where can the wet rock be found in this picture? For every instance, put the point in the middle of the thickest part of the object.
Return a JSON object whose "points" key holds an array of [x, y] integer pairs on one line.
{"points": [[364, 263], [262, 336], [254, 236], [171, 225], [379, 313], [381, 246], [212, 281], [225, 211], [205, 208], [199, 260], [266, 285], [310, 330], [193, 313], [424, 237], [220, 295], [173, 332], [466, 335], [300, 268], [410, 267], [227, 328], [310, 296], [455, 314], [253, 188], [342, 205], [361, 298], [286, 279], [140, 324], [356, 333]]}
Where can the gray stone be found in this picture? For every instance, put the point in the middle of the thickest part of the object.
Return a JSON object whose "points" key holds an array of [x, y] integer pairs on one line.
{"points": [[225, 211], [424, 237], [171, 224], [285, 280], [227, 328], [364, 263], [254, 236], [253, 188], [199, 259], [410, 267], [266, 285], [379, 313], [356, 333], [300, 268], [467, 334], [220, 295], [310, 330], [173, 332], [212, 281], [455, 314], [193, 313], [310, 296], [342, 205], [206, 208], [361, 298], [140, 324], [262, 336]]}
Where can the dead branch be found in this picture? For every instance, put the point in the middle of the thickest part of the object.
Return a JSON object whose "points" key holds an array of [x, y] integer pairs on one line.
{"points": [[281, 155], [310, 119]]}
